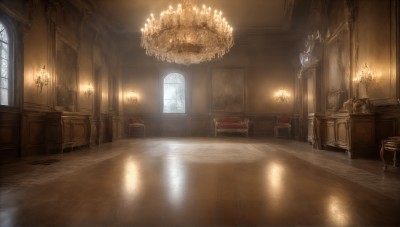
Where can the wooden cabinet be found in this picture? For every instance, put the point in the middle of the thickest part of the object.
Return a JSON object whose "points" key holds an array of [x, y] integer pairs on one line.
{"points": [[329, 132], [335, 132], [67, 130], [342, 132], [362, 142], [352, 132], [9, 136], [33, 141], [314, 130]]}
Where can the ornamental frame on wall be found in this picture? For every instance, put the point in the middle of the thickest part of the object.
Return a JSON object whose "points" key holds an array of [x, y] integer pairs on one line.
{"points": [[66, 71], [228, 90], [337, 68]]}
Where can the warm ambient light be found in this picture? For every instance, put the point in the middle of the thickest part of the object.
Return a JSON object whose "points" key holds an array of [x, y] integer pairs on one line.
{"points": [[132, 97], [89, 90], [41, 78], [282, 96], [187, 34], [365, 76]]}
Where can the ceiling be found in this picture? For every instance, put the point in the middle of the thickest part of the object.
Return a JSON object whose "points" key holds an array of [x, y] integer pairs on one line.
{"points": [[243, 15]]}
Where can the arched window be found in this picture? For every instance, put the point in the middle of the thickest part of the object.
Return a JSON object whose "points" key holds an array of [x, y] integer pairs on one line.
{"points": [[174, 93], [5, 75]]}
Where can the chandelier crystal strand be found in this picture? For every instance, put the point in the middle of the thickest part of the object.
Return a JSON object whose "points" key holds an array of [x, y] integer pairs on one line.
{"points": [[187, 34]]}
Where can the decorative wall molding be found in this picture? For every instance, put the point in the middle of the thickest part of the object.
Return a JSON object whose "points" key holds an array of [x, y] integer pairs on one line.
{"points": [[33, 133], [18, 16]]}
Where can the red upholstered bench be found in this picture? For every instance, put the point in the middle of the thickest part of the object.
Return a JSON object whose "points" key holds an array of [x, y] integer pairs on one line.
{"points": [[230, 125]]}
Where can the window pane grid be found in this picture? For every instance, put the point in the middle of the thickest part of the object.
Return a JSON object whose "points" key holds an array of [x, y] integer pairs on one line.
{"points": [[3, 37], [3, 96], [4, 54], [4, 67], [3, 83], [174, 93]]}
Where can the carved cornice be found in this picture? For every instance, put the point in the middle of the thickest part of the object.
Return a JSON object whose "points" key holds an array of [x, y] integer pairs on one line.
{"points": [[15, 15]]}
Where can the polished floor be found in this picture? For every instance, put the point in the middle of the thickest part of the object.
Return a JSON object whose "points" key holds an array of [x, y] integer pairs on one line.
{"points": [[227, 181]]}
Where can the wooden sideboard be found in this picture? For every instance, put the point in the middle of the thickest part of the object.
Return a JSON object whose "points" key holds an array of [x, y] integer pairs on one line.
{"points": [[313, 130], [67, 130], [9, 136], [354, 133]]}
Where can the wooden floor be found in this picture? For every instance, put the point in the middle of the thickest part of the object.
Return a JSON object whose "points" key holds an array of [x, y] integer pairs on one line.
{"points": [[227, 181]]}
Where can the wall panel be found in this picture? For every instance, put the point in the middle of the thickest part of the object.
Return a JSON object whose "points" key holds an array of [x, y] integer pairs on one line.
{"points": [[9, 136], [33, 131]]}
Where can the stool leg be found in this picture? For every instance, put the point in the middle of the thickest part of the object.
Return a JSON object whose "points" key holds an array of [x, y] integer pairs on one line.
{"points": [[383, 157]]}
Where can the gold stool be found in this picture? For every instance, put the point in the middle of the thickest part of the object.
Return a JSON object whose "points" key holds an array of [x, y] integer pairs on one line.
{"points": [[392, 144]]}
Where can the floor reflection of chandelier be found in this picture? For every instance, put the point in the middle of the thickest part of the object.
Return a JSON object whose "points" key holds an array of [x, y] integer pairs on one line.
{"points": [[187, 34]]}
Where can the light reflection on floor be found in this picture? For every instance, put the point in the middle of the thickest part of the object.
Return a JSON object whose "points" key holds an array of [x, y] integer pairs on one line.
{"points": [[337, 211], [175, 180], [132, 179], [274, 173]]}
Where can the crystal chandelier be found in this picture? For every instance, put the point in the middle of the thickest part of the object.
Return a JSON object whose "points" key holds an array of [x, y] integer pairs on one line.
{"points": [[187, 35]]}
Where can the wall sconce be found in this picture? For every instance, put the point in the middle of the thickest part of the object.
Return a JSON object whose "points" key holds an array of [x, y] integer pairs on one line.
{"points": [[88, 91], [366, 77], [132, 97], [41, 78], [281, 96]]}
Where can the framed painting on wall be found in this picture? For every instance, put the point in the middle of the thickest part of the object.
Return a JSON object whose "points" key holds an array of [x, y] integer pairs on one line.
{"points": [[66, 70], [337, 69], [337, 61], [228, 89]]}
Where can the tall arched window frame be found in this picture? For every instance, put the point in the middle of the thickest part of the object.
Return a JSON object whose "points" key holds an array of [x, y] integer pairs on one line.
{"points": [[174, 100], [6, 76]]}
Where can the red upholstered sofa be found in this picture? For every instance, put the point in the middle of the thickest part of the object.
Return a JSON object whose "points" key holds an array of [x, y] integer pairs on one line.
{"points": [[231, 124]]}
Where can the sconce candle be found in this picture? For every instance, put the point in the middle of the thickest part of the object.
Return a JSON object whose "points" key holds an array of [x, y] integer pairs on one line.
{"points": [[88, 90], [132, 97], [366, 77], [41, 78], [282, 95]]}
